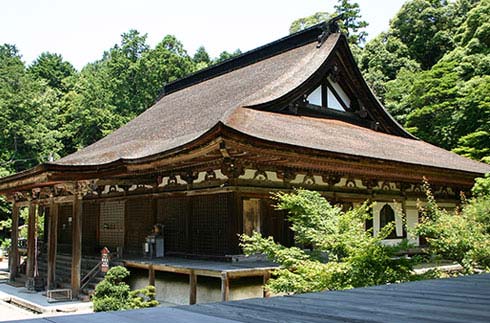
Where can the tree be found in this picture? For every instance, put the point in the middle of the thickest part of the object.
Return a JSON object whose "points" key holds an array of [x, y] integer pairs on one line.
{"points": [[342, 254], [426, 28], [113, 294], [201, 56], [305, 22], [223, 56], [351, 22], [463, 236], [351, 25], [28, 115], [53, 69]]}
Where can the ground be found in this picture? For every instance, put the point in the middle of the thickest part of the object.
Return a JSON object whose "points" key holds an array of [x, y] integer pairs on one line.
{"points": [[9, 312]]}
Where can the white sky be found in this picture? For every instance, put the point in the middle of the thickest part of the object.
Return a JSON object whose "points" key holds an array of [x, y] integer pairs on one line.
{"points": [[81, 30]]}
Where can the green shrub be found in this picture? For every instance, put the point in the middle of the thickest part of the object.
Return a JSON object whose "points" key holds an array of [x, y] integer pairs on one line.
{"points": [[113, 294], [462, 236], [355, 257]]}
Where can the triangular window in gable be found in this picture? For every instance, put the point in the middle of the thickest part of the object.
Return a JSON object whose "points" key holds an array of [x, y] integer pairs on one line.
{"points": [[329, 95], [315, 97]]}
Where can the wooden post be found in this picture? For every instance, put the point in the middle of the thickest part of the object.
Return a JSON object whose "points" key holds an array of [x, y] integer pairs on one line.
{"points": [[31, 236], [76, 251], [52, 244], [151, 276], [14, 247], [266, 279], [225, 287], [192, 288]]}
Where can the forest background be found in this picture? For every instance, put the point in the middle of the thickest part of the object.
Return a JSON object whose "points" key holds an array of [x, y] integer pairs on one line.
{"points": [[431, 70]]}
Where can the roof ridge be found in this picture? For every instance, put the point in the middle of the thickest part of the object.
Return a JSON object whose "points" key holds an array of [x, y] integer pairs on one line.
{"points": [[250, 57]]}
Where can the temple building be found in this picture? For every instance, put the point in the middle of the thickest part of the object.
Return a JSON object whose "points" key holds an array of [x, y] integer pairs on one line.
{"points": [[200, 165]]}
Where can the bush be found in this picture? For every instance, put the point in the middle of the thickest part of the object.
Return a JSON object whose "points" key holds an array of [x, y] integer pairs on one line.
{"points": [[462, 236], [113, 294], [355, 257]]}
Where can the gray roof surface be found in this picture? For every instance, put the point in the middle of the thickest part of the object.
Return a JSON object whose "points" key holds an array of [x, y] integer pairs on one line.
{"points": [[462, 299]]}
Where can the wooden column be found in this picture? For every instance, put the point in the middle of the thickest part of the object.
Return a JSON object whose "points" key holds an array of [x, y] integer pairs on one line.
{"points": [[266, 279], [14, 247], [52, 244], [31, 237], [192, 288], [76, 251], [151, 276], [225, 287]]}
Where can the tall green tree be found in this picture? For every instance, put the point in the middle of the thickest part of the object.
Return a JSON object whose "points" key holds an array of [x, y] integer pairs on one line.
{"points": [[52, 68], [352, 24]]}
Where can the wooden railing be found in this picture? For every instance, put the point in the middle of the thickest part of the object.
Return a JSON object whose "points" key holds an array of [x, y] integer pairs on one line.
{"points": [[90, 275]]}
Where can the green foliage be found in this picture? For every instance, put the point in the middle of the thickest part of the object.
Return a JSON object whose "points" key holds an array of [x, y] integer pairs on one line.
{"points": [[223, 56], [463, 237], [343, 254], [482, 186], [351, 25], [351, 22], [305, 22], [53, 69], [113, 294]]}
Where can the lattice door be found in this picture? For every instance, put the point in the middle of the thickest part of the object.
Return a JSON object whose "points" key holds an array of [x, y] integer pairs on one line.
{"points": [[111, 224]]}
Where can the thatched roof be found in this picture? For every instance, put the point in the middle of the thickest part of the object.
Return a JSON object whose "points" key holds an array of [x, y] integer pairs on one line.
{"points": [[236, 95]]}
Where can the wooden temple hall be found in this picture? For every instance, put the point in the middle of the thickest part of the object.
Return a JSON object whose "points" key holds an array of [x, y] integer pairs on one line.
{"points": [[199, 165]]}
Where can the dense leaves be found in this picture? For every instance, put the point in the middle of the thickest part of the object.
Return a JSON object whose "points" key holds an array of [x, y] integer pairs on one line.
{"points": [[462, 236], [351, 23], [432, 71], [113, 294], [333, 250]]}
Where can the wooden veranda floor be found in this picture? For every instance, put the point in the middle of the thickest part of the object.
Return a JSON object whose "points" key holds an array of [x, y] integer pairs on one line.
{"points": [[225, 271], [462, 299]]}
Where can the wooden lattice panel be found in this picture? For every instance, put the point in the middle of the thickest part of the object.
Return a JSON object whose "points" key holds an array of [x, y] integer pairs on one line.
{"points": [[173, 213], [90, 212], [208, 224], [141, 220], [111, 224], [65, 213]]}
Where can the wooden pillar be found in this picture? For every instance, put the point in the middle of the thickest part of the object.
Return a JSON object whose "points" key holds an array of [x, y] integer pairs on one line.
{"points": [[225, 287], [151, 276], [76, 251], [266, 279], [31, 237], [14, 247], [192, 288], [52, 244]]}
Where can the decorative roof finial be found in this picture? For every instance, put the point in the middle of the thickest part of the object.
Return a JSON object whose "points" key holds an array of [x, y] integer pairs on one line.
{"points": [[329, 27]]}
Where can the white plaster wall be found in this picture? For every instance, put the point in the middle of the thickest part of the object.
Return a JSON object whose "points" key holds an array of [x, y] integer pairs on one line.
{"points": [[173, 289], [412, 220]]}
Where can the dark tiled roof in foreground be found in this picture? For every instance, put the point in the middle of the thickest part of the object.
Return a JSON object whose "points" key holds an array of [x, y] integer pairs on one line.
{"points": [[462, 299]]}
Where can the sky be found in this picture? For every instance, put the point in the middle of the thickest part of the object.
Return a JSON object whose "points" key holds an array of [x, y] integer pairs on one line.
{"points": [[82, 30]]}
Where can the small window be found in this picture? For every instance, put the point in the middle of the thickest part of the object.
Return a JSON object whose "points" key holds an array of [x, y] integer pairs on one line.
{"points": [[315, 97], [387, 215]]}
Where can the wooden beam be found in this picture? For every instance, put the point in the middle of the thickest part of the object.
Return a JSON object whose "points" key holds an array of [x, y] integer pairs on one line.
{"points": [[151, 276], [76, 251], [52, 244], [225, 287], [266, 293], [192, 288], [14, 247], [31, 237]]}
